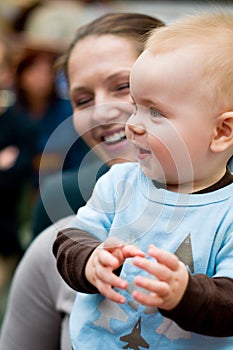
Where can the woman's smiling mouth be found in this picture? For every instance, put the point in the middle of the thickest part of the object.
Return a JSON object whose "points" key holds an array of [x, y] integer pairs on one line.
{"points": [[114, 137]]}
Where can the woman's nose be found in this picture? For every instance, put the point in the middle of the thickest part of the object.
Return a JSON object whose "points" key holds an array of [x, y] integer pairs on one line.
{"points": [[105, 113], [104, 110]]}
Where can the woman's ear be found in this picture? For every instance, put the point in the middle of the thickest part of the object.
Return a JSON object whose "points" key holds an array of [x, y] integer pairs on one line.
{"points": [[223, 137]]}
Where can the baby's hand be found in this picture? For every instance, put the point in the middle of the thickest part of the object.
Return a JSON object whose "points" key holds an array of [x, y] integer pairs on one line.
{"points": [[106, 258], [170, 283]]}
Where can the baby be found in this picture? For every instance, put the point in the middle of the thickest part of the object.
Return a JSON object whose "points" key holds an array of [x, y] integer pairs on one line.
{"points": [[166, 221]]}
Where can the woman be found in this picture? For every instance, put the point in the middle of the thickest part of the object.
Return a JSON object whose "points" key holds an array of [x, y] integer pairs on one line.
{"points": [[90, 86], [98, 66]]}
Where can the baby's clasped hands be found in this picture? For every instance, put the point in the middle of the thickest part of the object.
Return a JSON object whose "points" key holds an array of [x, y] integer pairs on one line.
{"points": [[164, 291], [105, 259]]}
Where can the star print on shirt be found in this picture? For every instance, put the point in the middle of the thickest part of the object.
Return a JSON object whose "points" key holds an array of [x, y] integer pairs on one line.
{"points": [[185, 254]]}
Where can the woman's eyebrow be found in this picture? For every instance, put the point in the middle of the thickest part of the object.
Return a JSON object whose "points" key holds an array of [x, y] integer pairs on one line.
{"points": [[75, 89], [116, 74]]}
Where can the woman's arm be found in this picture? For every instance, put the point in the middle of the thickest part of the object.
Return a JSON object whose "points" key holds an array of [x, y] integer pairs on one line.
{"points": [[40, 302]]}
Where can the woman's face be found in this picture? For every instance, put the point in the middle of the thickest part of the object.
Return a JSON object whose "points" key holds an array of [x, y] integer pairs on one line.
{"points": [[99, 69]]}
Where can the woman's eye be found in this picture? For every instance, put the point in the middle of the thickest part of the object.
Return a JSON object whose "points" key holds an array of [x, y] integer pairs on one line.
{"points": [[123, 86], [82, 101], [154, 113]]}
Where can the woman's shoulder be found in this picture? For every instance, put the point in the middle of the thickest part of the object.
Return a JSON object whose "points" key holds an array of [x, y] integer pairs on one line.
{"points": [[41, 247]]}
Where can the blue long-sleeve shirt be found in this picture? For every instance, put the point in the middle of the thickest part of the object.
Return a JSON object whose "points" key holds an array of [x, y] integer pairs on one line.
{"points": [[198, 228]]}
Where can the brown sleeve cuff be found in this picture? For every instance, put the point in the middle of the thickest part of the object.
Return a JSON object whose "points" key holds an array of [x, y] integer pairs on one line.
{"points": [[206, 307], [72, 248]]}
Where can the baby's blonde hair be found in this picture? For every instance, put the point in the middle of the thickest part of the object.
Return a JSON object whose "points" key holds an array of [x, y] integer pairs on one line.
{"points": [[213, 34]]}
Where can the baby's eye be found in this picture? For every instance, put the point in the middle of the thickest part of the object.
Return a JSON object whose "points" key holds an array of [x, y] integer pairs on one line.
{"points": [[154, 113]]}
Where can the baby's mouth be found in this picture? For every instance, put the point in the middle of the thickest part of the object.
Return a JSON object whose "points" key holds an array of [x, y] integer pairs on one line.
{"points": [[114, 138], [144, 151]]}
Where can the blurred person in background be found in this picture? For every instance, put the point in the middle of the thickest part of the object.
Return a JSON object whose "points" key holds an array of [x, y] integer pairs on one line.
{"points": [[17, 148], [38, 98]]}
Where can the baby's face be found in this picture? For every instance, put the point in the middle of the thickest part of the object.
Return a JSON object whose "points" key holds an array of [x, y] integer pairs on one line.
{"points": [[172, 124]]}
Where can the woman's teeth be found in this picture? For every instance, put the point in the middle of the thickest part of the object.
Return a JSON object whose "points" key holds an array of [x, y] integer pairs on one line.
{"points": [[114, 138]]}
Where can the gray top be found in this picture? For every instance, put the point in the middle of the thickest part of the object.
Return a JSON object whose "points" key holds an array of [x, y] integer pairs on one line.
{"points": [[40, 302]]}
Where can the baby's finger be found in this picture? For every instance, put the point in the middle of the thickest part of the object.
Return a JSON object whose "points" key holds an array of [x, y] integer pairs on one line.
{"points": [[151, 299], [131, 251], [108, 277], [151, 285], [106, 258], [112, 243], [164, 257], [154, 268], [110, 293]]}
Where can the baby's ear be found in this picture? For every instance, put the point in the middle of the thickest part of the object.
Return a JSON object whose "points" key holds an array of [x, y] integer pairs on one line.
{"points": [[223, 137]]}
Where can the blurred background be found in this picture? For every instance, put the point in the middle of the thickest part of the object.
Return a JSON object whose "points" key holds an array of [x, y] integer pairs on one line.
{"points": [[87, 9], [34, 102]]}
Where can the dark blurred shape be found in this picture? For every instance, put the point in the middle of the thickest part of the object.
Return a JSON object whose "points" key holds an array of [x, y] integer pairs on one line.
{"points": [[17, 148]]}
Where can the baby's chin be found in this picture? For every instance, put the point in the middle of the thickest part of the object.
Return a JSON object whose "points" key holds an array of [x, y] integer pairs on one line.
{"points": [[118, 161]]}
